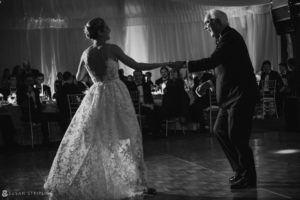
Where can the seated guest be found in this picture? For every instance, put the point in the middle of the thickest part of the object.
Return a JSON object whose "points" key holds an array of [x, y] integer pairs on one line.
{"points": [[295, 76], [142, 88], [196, 108], [84, 84], [175, 102], [59, 76], [130, 78], [148, 79], [57, 89], [11, 87], [267, 75], [29, 100], [58, 84], [162, 81], [40, 86], [68, 87], [80, 85], [175, 99], [147, 104], [131, 86], [286, 78]]}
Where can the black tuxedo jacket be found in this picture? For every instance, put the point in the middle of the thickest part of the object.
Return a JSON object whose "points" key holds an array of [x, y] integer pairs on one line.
{"points": [[235, 79]]}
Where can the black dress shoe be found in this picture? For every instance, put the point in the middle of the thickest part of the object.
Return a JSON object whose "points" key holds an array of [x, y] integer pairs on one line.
{"points": [[244, 182]]}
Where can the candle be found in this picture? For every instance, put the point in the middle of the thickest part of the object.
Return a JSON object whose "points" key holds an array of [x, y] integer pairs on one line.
{"points": [[42, 89]]}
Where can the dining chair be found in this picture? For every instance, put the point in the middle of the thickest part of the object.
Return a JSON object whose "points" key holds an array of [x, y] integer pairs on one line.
{"points": [[269, 98], [137, 106], [175, 121], [74, 101]]}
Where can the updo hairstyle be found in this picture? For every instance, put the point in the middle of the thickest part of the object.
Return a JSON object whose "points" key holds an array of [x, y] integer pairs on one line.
{"points": [[92, 27]]}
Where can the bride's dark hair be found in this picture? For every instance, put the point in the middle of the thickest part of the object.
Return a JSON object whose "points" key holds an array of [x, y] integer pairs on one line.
{"points": [[92, 27]]}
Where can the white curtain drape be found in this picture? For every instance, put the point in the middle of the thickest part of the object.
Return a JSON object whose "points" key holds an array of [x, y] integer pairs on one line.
{"points": [[177, 33], [147, 30]]}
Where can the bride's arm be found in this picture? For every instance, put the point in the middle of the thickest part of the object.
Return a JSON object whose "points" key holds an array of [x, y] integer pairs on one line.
{"points": [[81, 71], [118, 52]]}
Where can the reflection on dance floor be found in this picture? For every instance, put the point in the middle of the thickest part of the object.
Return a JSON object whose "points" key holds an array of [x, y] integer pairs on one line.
{"points": [[181, 167]]}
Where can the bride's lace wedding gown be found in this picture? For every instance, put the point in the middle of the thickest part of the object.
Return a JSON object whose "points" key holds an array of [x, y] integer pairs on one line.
{"points": [[101, 155]]}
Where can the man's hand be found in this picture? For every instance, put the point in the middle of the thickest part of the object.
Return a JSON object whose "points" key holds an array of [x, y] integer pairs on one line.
{"points": [[201, 89]]}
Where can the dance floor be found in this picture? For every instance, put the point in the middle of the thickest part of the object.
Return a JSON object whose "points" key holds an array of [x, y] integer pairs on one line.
{"points": [[180, 167]]}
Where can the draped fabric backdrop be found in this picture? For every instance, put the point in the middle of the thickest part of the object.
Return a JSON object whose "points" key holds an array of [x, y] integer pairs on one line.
{"points": [[50, 34]]}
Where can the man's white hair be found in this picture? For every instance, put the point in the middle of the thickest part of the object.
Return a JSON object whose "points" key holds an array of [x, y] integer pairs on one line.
{"points": [[218, 14]]}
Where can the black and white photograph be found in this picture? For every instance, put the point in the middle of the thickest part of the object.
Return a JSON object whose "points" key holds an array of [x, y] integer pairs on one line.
{"points": [[149, 99]]}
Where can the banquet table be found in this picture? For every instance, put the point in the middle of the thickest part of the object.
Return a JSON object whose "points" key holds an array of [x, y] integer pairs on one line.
{"points": [[21, 128]]}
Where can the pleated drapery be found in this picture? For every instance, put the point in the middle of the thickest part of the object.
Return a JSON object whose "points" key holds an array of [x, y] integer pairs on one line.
{"points": [[50, 34]]}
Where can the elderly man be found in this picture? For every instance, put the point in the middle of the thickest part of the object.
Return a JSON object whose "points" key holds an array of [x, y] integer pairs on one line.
{"points": [[236, 91]]}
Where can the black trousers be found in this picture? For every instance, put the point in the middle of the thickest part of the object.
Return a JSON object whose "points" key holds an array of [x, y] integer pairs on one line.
{"points": [[233, 130]]}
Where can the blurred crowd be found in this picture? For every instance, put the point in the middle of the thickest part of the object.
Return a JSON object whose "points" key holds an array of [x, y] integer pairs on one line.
{"points": [[172, 95]]}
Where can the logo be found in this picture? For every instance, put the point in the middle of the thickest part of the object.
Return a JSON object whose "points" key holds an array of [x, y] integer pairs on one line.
{"points": [[4, 193]]}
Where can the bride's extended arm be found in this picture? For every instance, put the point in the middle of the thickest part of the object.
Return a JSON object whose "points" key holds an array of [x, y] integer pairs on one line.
{"points": [[133, 64], [81, 71]]}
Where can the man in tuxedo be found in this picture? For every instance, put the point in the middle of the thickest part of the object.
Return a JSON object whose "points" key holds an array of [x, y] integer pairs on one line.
{"points": [[236, 92], [165, 75], [42, 88]]}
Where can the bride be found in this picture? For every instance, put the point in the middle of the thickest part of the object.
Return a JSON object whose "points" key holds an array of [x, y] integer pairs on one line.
{"points": [[101, 153]]}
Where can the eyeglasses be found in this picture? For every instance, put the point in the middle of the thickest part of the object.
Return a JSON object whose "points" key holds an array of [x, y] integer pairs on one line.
{"points": [[207, 23]]}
